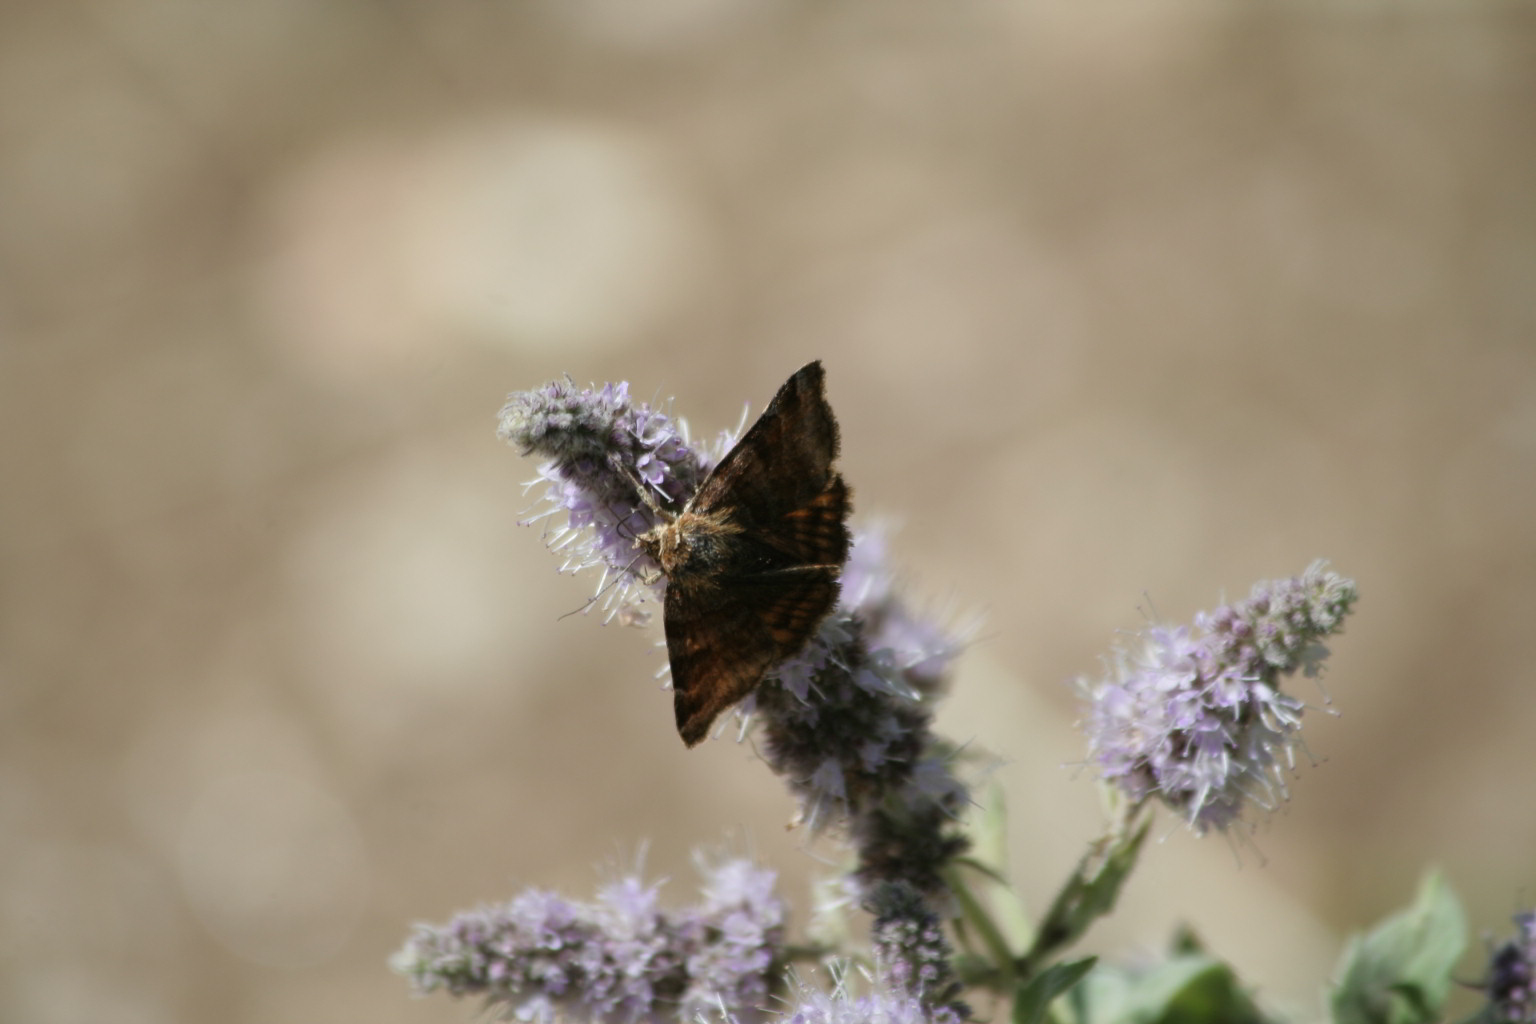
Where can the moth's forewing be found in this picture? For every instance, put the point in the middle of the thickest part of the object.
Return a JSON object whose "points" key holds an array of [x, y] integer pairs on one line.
{"points": [[771, 581], [783, 461]]}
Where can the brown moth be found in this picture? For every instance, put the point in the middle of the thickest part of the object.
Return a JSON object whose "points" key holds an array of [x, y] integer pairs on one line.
{"points": [[752, 561]]}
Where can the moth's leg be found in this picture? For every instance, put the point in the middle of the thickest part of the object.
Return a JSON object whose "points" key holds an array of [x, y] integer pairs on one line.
{"points": [[643, 492], [650, 577]]}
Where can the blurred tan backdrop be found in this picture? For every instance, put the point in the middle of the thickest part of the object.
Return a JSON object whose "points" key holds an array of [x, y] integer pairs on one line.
{"points": [[1122, 306]]}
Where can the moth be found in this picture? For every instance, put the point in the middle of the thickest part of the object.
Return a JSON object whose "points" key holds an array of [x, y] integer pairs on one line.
{"points": [[752, 561]]}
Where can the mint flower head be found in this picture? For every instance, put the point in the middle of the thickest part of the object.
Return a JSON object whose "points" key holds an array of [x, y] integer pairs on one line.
{"points": [[847, 720], [1195, 717], [601, 448], [620, 960]]}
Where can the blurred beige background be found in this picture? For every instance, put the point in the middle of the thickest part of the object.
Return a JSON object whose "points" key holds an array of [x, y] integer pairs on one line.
{"points": [[1122, 306]]}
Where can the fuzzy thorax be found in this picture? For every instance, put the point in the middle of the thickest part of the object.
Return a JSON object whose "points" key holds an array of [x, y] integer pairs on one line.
{"points": [[692, 550]]}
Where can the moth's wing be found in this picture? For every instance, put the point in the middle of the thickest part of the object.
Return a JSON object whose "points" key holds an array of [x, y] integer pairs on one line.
{"points": [[721, 642], [778, 483], [816, 533], [783, 461], [780, 581]]}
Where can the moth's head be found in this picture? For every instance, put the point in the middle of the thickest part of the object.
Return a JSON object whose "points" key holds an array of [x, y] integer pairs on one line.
{"points": [[662, 543]]}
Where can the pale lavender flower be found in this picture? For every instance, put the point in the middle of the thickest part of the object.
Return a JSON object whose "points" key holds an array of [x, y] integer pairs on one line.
{"points": [[745, 919], [1196, 717], [1511, 984], [919, 647], [812, 1005], [620, 960]]}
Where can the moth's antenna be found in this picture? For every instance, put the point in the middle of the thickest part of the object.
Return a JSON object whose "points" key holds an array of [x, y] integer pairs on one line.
{"points": [[618, 527], [604, 589], [584, 606]]}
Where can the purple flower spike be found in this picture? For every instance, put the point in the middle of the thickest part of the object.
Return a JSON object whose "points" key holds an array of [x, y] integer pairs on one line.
{"points": [[620, 960], [1196, 717]]}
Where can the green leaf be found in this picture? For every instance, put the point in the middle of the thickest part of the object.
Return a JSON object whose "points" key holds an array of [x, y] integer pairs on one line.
{"points": [[974, 916], [1189, 989], [988, 828], [981, 868], [1033, 1000], [975, 970], [1400, 971], [1208, 994], [1088, 895]]}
